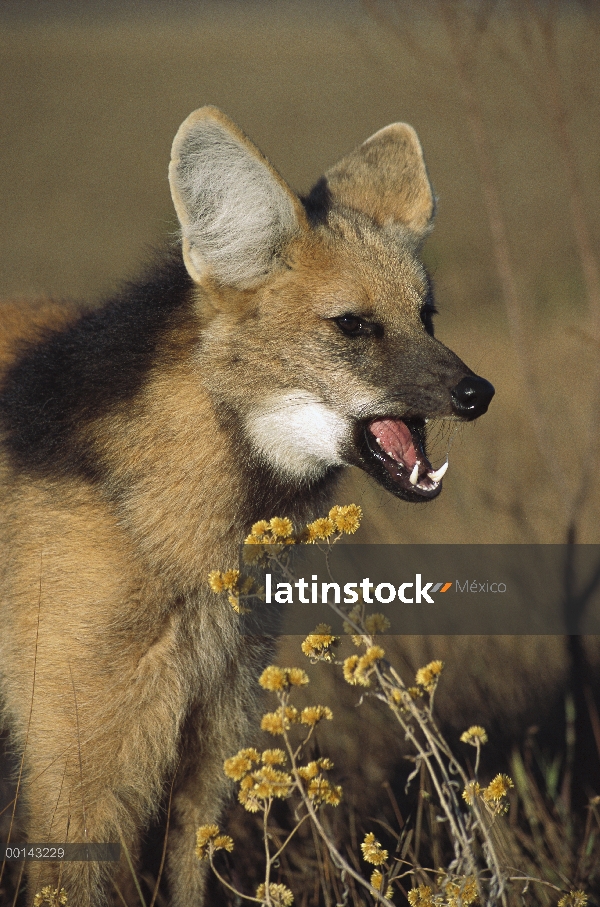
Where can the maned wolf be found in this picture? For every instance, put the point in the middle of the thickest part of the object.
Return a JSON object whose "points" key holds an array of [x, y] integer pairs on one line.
{"points": [[287, 339]]}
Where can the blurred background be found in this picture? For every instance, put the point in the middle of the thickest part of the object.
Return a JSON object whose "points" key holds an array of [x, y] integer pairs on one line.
{"points": [[505, 99]]}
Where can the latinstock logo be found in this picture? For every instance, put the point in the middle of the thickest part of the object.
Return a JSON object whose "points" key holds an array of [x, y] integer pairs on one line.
{"points": [[411, 593]]}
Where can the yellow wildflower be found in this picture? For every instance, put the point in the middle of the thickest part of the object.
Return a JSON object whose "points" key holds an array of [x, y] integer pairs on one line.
{"points": [[310, 771], [205, 833], [349, 668], [312, 714], [319, 643], [497, 788], [574, 899], [320, 790], [215, 581], [428, 676], [377, 882], [320, 530], [421, 897], [471, 792], [376, 879], [51, 896], [273, 678], [376, 623], [280, 895], [373, 654], [469, 893], [297, 677], [346, 519], [254, 551], [239, 765], [277, 723], [372, 850], [272, 775], [223, 842], [263, 784], [230, 579], [260, 528], [274, 757], [279, 783], [250, 802], [208, 839], [357, 669], [281, 527], [475, 735]]}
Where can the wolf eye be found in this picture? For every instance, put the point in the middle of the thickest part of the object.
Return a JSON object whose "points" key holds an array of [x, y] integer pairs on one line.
{"points": [[351, 325]]}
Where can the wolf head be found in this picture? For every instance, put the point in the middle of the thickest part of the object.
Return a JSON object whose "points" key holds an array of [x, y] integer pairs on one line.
{"points": [[316, 312]]}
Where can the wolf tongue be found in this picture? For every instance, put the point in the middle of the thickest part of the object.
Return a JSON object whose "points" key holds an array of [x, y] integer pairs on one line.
{"points": [[396, 439]]}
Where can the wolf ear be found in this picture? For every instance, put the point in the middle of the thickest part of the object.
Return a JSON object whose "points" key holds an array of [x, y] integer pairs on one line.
{"points": [[235, 211], [386, 179]]}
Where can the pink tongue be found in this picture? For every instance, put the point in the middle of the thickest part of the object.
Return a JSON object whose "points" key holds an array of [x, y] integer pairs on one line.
{"points": [[396, 440]]}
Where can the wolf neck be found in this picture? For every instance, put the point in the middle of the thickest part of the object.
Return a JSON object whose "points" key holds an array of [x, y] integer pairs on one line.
{"points": [[189, 490], [184, 478], [116, 403]]}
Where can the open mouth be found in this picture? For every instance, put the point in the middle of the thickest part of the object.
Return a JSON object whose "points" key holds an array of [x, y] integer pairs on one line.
{"points": [[393, 451]]}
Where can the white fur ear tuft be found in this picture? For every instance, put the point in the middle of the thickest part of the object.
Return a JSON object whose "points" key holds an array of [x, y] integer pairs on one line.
{"points": [[235, 210]]}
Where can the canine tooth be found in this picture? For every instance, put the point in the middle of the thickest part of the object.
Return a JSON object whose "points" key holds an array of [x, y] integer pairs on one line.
{"points": [[439, 473], [414, 476]]}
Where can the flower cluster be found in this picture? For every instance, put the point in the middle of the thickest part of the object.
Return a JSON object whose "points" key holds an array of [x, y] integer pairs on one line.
{"points": [[226, 581], [319, 789], [422, 897], [370, 623], [280, 721], [372, 850], [276, 531], [342, 520], [376, 623], [318, 645], [461, 894], [54, 897], [494, 795], [275, 678], [498, 788], [359, 668], [347, 519], [209, 839], [455, 894], [377, 880], [574, 899], [428, 676], [475, 735], [279, 895], [258, 778], [229, 581], [312, 714]]}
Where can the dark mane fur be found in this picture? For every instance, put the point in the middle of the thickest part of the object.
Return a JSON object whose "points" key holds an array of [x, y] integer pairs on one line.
{"points": [[75, 375]]}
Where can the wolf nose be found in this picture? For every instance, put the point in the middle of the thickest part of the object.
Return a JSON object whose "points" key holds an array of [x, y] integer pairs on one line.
{"points": [[471, 397]]}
